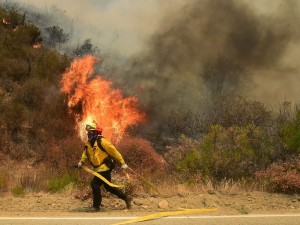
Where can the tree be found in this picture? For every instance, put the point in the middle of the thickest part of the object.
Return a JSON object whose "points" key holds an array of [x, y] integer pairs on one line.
{"points": [[86, 48], [56, 36], [13, 18]]}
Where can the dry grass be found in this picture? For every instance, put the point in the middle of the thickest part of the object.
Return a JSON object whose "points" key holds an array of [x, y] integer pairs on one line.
{"points": [[23, 176], [28, 178]]}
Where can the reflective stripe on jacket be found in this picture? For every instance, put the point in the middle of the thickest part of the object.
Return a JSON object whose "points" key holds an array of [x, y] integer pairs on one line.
{"points": [[96, 156]]}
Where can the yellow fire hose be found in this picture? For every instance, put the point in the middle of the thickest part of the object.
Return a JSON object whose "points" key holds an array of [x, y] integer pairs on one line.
{"points": [[118, 185], [151, 216], [101, 177], [146, 181], [165, 214]]}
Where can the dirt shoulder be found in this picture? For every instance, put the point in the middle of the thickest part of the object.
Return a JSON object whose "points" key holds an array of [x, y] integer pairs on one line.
{"points": [[42, 204]]}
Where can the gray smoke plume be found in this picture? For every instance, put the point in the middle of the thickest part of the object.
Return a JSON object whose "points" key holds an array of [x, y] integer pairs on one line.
{"points": [[211, 47]]}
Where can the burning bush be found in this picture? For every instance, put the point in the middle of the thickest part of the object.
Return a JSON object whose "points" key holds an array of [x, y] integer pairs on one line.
{"points": [[98, 100]]}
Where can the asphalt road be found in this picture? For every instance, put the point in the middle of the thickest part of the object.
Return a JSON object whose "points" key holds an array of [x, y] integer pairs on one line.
{"points": [[285, 219]]}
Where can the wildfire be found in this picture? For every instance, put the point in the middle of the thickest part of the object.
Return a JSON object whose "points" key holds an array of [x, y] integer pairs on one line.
{"points": [[99, 101]]}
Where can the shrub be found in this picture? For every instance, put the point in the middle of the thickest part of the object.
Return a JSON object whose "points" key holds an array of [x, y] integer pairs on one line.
{"points": [[231, 153], [32, 94], [15, 69], [140, 156], [18, 191], [50, 65], [191, 162], [15, 114], [226, 109], [291, 135], [281, 176], [63, 155], [181, 121], [234, 110], [58, 183], [3, 182], [28, 34], [43, 178], [28, 181]]}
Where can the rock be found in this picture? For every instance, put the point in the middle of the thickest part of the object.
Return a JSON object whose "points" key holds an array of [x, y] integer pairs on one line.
{"points": [[212, 192], [137, 202], [182, 195], [163, 204], [182, 190]]}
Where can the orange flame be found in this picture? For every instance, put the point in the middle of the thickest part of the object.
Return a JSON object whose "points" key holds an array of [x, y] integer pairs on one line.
{"points": [[5, 21], [37, 45], [99, 101]]}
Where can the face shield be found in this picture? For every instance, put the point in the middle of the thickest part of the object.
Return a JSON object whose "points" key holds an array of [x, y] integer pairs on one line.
{"points": [[92, 135]]}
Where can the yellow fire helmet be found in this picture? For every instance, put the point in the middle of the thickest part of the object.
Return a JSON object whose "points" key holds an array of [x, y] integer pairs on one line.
{"points": [[93, 126]]}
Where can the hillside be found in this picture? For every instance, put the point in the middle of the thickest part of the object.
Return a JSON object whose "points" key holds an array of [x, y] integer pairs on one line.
{"points": [[236, 138], [34, 113]]}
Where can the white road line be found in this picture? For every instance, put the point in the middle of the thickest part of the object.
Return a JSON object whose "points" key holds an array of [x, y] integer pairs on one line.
{"points": [[134, 217], [69, 218]]}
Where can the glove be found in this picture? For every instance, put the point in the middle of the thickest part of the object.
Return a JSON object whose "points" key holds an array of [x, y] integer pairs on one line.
{"points": [[124, 166], [79, 165]]}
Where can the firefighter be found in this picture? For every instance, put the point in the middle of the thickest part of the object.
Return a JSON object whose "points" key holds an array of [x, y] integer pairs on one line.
{"points": [[102, 155]]}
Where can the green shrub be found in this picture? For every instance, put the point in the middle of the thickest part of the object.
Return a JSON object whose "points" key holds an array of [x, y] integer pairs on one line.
{"points": [[231, 153], [50, 65], [58, 183], [18, 191], [291, 135], [192, 161]]}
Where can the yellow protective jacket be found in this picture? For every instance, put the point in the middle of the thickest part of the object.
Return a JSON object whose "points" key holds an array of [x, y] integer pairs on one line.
{"points": [[96, 156]]}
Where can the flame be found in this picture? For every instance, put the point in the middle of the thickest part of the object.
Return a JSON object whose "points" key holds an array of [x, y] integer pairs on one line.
{"points": [[5, 21], [37, 45], [99, 101]]}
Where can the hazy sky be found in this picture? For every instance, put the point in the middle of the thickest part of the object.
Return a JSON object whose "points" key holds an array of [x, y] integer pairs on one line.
{"points": [[126, 23]]}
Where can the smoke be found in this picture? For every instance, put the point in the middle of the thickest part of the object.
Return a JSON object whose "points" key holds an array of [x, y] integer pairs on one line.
{"points": [[180, 54], [114, 26], [211, 46]]}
